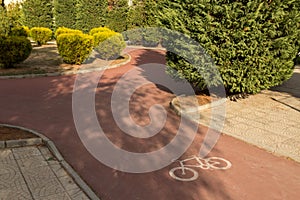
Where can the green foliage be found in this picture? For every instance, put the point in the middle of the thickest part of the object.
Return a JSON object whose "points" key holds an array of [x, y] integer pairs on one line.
{"points": [[90, 14], [62, 30], [13, 49], [116, 18], [134, 36], [19, 31], [10, 17], [252, 42], [27, 30], [101, 36], [38, 13], [150, 37], [142, 14], [99, 29], [74, 48], [41, 35], [121, 17], [111, 47], [4, 22], [65, 13], [14, 13]]}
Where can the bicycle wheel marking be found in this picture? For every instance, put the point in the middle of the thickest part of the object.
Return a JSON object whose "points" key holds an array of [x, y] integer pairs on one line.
{"points": [[212, 163]]}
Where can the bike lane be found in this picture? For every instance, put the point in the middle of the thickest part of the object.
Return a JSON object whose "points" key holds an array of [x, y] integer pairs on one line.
{"points": [[45, 104]]}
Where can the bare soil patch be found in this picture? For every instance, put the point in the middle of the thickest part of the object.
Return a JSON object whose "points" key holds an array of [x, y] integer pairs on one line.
{"points": [[7, 133], [186, 102], [46, 59]]}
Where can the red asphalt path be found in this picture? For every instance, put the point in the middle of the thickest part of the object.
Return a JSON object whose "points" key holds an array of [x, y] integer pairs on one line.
{"points": [[45, 105]]}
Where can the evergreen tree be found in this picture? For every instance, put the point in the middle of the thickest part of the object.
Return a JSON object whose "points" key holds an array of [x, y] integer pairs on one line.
{"points": [[116, 18], [90, 14], [38, 13], [252, 42], [65, 13]]}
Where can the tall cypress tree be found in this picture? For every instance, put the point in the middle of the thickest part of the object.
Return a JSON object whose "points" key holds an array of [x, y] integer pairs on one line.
{"points": [[90, 14], [38, 13], [117, 10], [65, 13]]}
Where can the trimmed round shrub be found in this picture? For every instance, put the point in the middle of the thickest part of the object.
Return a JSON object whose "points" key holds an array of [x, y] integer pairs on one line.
{"points": [[74, 48], [41, 35], [111, 47], [26, 28], [98, 30], [13, 50], [62, 30], [102, 36], [19, 31], [253, 43]]}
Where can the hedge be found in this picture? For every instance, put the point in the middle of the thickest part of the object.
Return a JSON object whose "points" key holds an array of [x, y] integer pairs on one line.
{"points": [[252, 42], [38, 13], [74, 48], [41, 35], [14, 49], [90, 14], [65, 13]]}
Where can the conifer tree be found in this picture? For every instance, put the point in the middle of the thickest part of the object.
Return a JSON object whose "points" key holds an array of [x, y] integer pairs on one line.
{"points": [[90, 14], [38, 13], [253, 43], [65, 13]]}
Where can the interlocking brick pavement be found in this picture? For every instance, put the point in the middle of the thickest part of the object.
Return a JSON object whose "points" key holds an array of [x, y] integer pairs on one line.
{"points": [[269, 120], [33, 173]]}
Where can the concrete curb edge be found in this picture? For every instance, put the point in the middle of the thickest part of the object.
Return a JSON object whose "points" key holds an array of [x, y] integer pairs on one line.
{"points": [[180, 111]]}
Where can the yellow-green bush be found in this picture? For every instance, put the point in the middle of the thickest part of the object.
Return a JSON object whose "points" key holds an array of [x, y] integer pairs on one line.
{"points": [[26, 28], [13, 49], [101, 36], [19, 31], [74, 48], [99, 29], [62, 30], [40, 35], [111, 47]]}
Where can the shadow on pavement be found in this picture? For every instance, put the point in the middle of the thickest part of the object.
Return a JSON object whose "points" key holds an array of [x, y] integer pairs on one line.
{"points": [[291, 86]]}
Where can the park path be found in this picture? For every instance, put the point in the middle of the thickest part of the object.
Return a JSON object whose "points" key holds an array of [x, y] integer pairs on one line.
{"points": [[45, 104]]}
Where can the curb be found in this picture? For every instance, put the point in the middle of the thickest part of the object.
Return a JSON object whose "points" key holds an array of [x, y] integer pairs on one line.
{"points": [[180, 111], [81, 71], [142, 47], [44, 140], [23, 142]]}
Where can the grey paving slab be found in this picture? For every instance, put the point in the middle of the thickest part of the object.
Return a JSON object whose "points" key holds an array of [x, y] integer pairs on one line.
{"points": [[33, 173], [269, 120]]}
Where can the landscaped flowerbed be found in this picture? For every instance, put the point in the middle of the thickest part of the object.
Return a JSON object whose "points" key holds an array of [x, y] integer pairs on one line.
{"points": [[46, 59]]}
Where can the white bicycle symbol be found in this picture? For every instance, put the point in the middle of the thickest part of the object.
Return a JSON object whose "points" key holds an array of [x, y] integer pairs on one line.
{"points": [[179, 173]]}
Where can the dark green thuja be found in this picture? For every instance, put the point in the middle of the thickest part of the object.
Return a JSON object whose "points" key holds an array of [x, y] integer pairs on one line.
{"points": [[253, 43]]}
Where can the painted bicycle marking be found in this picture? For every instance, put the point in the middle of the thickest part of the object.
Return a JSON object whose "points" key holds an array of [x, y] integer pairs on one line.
{"points": [[213, 163]]}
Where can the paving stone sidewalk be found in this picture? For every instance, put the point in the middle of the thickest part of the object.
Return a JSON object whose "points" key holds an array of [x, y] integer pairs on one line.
{"points": [[33, 173], [269, 120]]}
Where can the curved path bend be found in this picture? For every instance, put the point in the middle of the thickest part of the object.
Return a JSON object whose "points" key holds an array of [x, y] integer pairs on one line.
{"points": [[45, 105]]}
